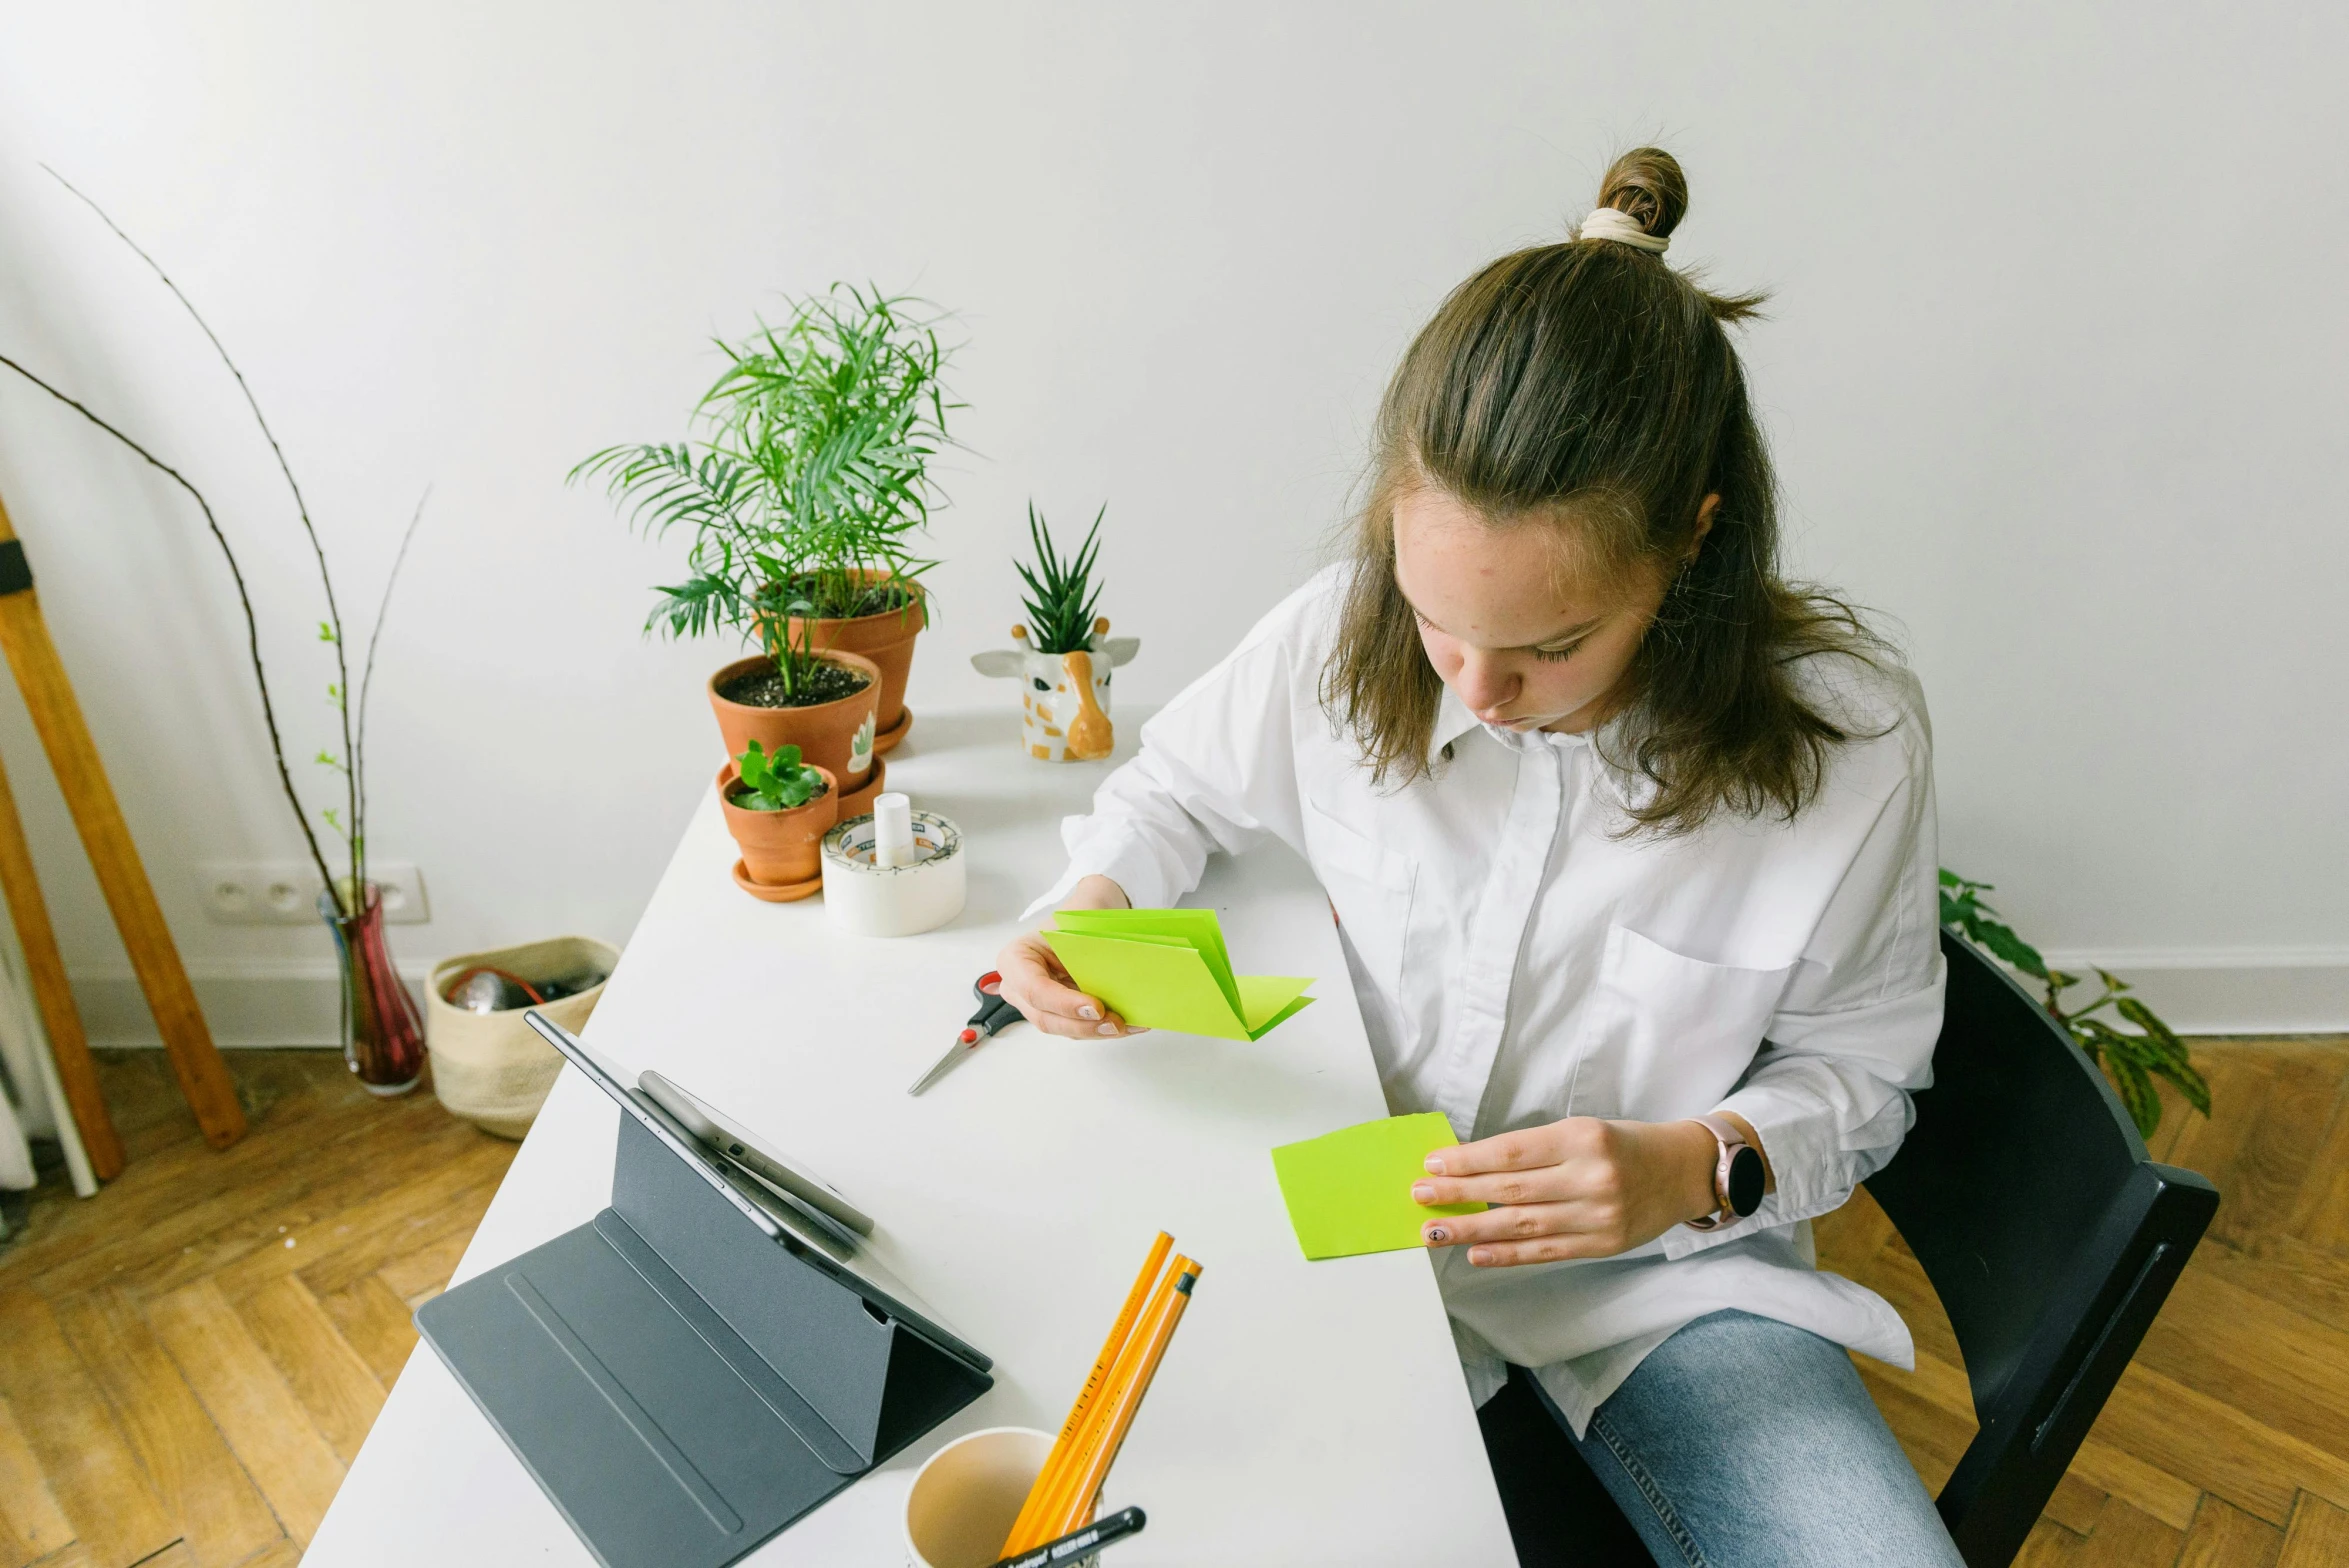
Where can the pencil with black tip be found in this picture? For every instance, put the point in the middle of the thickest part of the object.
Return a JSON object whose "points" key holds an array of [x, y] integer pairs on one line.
{"points": [[1118, 1417], [1024, 1532], [1088, 1438]]}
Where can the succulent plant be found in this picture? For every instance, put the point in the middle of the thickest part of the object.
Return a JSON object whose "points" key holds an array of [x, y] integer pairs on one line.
{"points": [[1061, 591]]}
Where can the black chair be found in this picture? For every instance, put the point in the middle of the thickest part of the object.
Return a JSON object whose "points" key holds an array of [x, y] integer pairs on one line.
{"points": [[2050, 1236]]}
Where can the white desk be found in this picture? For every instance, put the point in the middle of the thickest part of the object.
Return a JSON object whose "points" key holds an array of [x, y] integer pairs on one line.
{"points": [[1307, 1412]]}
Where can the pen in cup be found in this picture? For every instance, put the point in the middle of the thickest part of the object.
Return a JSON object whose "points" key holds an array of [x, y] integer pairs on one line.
{"points": [[1080, 1543]]}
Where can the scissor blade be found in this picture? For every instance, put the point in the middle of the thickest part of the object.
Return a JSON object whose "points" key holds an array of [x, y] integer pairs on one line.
{"points": [[954, 1053]]}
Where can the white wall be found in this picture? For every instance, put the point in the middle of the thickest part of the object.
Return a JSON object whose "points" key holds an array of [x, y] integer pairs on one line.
{"points": [[2055, 373]]}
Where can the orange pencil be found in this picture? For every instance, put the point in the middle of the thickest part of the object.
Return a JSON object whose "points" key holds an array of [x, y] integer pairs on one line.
{"points": [[1119, 1416], [1040, 1493], [1089, 1435]]}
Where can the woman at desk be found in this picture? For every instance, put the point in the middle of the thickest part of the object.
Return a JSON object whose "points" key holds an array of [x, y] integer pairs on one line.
{"points": [[1631, 843]]}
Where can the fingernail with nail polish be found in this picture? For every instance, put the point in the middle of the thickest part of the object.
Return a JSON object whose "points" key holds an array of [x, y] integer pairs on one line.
{"points": [[1438, 1235], [1088, 1013]]}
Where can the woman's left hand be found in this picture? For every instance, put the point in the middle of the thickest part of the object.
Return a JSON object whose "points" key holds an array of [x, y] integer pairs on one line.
{"points": [[1580, 1188]]}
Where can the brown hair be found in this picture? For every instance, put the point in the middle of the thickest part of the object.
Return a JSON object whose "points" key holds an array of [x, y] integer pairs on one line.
{"points": [[1591, 388]]}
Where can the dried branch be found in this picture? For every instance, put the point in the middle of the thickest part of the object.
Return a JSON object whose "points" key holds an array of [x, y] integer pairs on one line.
{"points": [[285, 775], [355, 794], [367, 677]]}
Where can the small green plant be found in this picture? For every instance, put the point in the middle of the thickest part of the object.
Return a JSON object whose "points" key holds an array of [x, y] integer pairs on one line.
{"points": [[808, 479], [2130, 1061], [774, 781], [1061, 592]]}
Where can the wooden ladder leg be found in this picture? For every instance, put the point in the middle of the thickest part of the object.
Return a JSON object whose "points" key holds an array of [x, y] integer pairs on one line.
{"points": [[97, 816], [68, 1046]]}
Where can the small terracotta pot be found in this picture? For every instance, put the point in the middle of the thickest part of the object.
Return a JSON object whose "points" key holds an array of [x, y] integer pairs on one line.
{"points": [[837, 736], [780, 848], [886, 638]]}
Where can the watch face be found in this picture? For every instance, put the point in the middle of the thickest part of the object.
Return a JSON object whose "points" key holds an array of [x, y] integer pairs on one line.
{"points": [[1745, 1181]]}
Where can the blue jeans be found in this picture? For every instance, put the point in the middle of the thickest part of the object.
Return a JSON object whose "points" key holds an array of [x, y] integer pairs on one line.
{"points": [[1741, 1442]]}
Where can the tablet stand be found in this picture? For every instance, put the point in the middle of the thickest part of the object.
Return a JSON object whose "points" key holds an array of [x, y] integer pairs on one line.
{"points": [[680, 1385]]}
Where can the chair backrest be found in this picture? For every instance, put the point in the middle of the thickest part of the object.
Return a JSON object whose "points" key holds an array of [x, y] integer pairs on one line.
{"points": [[2050, 1236]]}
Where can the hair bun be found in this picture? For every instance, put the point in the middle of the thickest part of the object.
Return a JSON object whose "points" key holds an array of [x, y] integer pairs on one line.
{"points": [[1646, 185]]}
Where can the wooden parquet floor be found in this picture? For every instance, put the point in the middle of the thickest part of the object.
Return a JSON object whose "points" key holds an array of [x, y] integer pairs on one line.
{"points": [[189, 1360]]}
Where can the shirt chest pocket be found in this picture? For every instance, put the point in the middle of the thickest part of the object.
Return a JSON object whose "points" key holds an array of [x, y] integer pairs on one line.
{"points": [[1669, 1035], [1370, 888]]}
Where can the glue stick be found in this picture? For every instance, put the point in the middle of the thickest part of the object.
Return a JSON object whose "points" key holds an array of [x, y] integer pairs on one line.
{"points": [[893, 840]]}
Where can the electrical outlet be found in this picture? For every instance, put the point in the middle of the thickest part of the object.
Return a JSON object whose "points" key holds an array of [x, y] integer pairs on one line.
{"points": [[402, 887], [285, 892]]}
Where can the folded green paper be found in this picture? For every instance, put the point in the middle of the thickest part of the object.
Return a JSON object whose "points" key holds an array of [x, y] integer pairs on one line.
{"points": [[1167, 969], [1349, 1191]]}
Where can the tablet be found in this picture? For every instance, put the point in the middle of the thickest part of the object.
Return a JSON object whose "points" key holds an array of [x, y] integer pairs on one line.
{"points": [[739, 1144], [774, 1218]]}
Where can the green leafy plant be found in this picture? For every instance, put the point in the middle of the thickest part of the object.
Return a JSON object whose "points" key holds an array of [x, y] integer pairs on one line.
{"points": [[807, 479], [2130, 1060], [774, 781], [1061, 592]]}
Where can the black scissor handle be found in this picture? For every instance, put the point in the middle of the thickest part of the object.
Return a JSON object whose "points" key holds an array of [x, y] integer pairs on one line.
{"points": [[994, 1012]]}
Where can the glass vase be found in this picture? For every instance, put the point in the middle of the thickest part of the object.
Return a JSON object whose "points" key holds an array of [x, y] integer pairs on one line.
{"points": [[383, 1036]]}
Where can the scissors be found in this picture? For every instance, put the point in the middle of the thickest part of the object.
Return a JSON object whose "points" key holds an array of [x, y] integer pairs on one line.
{"points": [[993, 1014]]}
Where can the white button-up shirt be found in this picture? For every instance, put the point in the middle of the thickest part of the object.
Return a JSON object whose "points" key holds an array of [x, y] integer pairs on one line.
{"points": [[1520, 957]]}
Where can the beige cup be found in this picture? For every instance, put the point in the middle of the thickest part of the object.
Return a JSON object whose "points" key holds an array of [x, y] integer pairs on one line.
{"points": [[964, 1500]]}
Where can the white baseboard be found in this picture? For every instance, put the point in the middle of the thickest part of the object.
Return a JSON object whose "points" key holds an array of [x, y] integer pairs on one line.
{"points": [[257, 1005], [2298, 990], [250, 1006]]}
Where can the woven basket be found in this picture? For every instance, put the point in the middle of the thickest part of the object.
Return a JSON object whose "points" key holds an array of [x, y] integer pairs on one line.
{"points": [[490, 1068]]}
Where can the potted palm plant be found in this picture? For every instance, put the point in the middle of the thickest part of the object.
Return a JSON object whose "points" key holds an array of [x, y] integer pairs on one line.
{"points": [[778, 808], [803, 489]]}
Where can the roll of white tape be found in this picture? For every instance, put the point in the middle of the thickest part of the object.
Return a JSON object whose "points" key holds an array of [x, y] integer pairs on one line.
{"points": [[867, 899]]}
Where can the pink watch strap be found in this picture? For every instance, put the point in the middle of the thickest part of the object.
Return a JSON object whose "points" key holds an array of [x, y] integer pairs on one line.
{"points": [[1729, 1140]]}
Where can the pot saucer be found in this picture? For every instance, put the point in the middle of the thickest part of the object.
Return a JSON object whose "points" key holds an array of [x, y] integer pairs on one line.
{"points": [[887, 740], [776, 893]]}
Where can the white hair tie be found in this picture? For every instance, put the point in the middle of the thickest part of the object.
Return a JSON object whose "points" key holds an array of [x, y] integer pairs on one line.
{"points": [[1606, 223]]}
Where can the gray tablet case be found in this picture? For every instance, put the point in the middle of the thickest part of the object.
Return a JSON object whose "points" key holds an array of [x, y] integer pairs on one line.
{"points": [[679, 1384]]}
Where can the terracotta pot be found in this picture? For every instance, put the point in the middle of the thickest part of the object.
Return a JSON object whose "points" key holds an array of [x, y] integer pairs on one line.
{"points": [[834, 735], [886, 638], [780, 848], [855, 802]]}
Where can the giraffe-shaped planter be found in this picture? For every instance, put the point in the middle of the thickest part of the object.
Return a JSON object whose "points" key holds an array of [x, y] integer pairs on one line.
{"points": [[1064, 697]]}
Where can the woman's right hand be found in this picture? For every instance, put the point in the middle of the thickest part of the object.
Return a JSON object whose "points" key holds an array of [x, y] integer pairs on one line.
{"points": [[1035, 981]]}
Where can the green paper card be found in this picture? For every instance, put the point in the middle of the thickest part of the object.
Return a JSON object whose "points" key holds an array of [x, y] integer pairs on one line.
{"points": [[1195, 928], [1349, 1191], [1167, 969]]}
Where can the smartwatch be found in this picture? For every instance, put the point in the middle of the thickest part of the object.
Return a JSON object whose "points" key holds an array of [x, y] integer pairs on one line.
{"points": [[1737, 1176]]}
